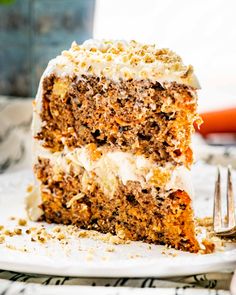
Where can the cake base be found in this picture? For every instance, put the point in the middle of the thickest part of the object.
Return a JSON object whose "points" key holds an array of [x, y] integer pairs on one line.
{"points": [[132, 213]]}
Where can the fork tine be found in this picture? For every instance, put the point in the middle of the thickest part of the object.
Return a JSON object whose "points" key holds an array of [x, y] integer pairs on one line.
{"points": [[217, 218], [230, 200]]}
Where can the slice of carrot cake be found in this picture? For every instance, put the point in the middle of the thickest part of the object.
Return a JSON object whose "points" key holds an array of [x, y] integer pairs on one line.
{"points": [[112, 130]]}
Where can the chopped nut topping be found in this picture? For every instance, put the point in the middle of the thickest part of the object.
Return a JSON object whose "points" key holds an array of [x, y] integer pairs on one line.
{"points": [[155, 62]]}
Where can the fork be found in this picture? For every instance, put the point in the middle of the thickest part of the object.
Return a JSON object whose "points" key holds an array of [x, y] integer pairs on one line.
{"points": [[220, 228]]}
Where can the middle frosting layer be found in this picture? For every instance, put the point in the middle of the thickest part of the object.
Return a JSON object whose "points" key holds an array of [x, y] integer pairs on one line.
{"points": [[111, 166]]}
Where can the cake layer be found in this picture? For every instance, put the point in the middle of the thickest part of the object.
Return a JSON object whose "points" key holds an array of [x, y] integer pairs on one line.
{"points": [[112, 132], [131, 213], [137, 116]]}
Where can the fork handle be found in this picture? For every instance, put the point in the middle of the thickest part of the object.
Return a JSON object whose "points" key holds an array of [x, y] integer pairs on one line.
{"points": [[233, 284]]}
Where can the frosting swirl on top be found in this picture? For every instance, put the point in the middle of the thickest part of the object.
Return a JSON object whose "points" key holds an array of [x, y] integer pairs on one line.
{"points": [[123, 60]]}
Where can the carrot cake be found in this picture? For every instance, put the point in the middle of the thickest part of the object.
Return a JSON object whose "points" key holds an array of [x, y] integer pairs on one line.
{"points": [[112, 128]]}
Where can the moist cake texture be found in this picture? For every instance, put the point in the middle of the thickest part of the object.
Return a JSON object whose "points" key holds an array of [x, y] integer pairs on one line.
{"points": [[112, 130]]}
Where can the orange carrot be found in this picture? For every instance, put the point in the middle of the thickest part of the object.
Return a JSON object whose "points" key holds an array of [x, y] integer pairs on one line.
{"points": [[223, 121]]}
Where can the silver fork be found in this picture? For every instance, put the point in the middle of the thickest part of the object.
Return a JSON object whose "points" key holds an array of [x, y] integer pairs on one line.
{"points": [[228, 228], [220, 228]]}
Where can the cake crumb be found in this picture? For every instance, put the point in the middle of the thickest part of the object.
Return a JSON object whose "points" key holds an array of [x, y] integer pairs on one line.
{"points": [[133, 256], [107, 238], [83, 234], [172, 254], [41, 239], [41, 235], [30, 188], [91, 251], [1, 227], [2, 239], [21, 249], [60, 236], [205, 222], [209, 246], [110, 249], [12, 247], [105, 258], [56, 229], [121, 234], [18, 231], [89, 257], [117, 240], [22, 222], [9, 233]]}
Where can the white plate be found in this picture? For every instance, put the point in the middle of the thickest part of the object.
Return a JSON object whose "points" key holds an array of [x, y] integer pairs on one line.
{"points": [[91, 258]]}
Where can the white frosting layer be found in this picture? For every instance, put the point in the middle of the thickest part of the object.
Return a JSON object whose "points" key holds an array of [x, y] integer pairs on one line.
{"points": [[123, 165], [117, 60]]}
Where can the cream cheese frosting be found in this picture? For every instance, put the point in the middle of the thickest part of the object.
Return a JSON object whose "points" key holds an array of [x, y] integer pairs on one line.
{"points": [[119, 59], [113, 164]]}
